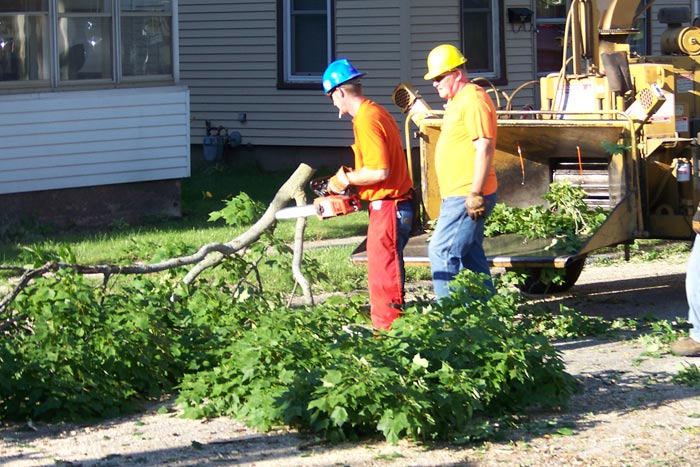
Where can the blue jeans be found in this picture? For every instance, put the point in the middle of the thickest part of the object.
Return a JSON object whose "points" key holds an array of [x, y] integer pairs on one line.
{"points": [[457, 244], [692, 289], [404, 224]]}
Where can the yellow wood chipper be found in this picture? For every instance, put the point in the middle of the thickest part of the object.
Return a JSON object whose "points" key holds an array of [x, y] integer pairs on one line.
{"points": [[647, 107]]}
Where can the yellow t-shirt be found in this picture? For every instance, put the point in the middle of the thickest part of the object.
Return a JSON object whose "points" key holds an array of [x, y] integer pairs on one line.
{"points": [[378, 146], [469, 115]]}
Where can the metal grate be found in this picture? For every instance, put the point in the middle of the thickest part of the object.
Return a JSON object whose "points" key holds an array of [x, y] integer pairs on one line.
{"points": [[646, 98], [403, 99], [592, 176], [404, 96]]}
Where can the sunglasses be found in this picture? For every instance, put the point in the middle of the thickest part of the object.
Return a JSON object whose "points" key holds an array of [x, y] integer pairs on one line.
{"points": [[439, 78]]}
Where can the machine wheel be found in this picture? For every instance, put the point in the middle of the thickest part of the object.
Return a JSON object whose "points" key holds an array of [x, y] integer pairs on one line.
{"points": [[534, 285]]}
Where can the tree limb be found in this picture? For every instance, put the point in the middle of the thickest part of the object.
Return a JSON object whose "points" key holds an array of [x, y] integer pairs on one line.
{"points": [[207, 256], [289, 190], [299, 252], [27, 276]]}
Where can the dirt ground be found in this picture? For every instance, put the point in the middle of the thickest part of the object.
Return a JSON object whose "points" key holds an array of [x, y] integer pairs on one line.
{"points": [[629, 412]]}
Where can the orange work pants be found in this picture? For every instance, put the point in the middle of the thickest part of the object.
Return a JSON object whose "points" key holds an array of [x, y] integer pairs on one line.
{"points": [[384, 269]]}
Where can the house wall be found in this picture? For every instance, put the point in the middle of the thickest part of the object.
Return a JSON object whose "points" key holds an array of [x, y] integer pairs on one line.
{"points": [[90, 157], [72, 139], [432, 23], [228, 57]]}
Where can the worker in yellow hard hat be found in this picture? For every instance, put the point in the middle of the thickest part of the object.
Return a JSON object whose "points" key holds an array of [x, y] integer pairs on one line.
{"points": [[442, 59], [464, 168]]}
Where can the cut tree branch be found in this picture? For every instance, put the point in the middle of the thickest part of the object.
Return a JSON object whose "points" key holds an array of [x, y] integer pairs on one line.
{"points": [[207, 256]]}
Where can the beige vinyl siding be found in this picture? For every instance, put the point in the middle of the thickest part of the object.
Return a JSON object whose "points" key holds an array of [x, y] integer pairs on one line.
{"points": [[368, 33], [519, 50], [228, 59], [658, 28], [432, 23]]}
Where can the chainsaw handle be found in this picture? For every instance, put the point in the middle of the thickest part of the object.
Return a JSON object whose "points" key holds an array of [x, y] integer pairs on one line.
{"points": [[320, 186]]}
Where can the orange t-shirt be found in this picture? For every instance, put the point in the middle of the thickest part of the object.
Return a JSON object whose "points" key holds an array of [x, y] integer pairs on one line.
{"points": [[470, 115], [378, 146]]}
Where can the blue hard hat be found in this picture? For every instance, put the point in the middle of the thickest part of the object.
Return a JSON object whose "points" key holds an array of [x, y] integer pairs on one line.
{"points": [[339, 72]]}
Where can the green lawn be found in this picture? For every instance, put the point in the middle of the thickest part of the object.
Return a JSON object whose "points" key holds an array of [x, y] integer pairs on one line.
{"points": [[204, 192]]}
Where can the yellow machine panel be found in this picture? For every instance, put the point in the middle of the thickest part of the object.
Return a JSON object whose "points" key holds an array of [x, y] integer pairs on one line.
{"points": [[678, 77], [624, 128], [575, 94]]}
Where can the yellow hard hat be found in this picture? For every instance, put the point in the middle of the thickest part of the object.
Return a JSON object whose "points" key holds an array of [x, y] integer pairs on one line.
{"points": [[442, 59]]}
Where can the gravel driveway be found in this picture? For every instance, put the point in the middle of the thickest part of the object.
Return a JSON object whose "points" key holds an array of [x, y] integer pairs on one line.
{"points": [[628, 414]]}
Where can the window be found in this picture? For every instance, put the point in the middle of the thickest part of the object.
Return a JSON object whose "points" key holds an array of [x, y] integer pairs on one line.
{"points": [[639, 42], [84, 39], [551, 20], [69, 42], [481, 19], [24, 41], [146, 38], [306, 33]]}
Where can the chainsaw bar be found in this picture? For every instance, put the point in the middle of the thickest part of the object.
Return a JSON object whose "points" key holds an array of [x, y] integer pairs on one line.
{"points": [[324, 207], [296, 212]]}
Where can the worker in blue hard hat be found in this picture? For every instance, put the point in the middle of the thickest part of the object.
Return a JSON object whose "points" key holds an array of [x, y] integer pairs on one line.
{"points": [[381, 177], [339, 72]]}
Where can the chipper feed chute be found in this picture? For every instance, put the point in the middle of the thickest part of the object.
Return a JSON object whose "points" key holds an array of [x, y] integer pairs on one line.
{"points": [[532, 153]]}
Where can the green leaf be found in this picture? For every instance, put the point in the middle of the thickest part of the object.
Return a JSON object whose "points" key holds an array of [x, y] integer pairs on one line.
{"points": [[339, 416], [332, 378], [419, 361]]}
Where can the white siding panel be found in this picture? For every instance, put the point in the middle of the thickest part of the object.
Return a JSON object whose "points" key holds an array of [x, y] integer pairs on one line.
{"points": [[87, 138], [105, 178]]}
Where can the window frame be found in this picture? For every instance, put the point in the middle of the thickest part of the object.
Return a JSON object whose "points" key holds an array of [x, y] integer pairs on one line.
{"points": [[498, 50], [285, 80], [116, 78]]}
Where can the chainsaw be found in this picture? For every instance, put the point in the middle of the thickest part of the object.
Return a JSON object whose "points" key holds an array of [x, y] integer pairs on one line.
{"points": [[325, 206]]}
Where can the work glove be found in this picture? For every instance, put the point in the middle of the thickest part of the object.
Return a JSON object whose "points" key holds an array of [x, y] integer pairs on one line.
{"points": [[696, 226], [475, 206], [339, 182]]}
